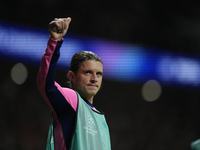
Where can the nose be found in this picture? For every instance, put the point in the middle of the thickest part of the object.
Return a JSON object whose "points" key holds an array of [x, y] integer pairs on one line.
{"points": [[93, 78]]}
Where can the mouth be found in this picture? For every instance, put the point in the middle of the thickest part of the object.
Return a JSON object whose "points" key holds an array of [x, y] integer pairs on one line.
{"points": [[93, 86]]}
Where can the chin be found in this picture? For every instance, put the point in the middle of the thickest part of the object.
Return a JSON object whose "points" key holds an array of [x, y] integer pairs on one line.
{"points": [[92, 94]]}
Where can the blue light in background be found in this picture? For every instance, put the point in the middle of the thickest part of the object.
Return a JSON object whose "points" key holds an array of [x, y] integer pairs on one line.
{"points": [[179, 69], [122, 62]]}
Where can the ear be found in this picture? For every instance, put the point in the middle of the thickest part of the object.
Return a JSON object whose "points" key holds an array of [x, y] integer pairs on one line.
{"points": [[71, 75]]}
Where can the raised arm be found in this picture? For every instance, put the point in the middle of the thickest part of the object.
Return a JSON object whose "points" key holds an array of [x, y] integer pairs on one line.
{"points": [[56, 97]]}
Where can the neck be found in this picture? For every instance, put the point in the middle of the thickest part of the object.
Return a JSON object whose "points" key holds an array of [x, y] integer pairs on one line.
{"points": [[90, 99], [89, 102]]}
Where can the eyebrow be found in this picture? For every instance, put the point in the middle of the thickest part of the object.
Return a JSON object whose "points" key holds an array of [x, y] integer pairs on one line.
{"points": [[92, 71]]}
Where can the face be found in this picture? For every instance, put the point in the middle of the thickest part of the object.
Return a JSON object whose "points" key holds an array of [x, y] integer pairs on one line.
{"points": [[87, 80]]}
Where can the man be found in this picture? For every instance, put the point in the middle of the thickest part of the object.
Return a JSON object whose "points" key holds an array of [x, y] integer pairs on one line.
{"points": [[75, 124]]}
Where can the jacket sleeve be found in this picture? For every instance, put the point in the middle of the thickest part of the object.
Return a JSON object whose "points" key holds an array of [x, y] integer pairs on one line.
{"points": [[59, 99]]}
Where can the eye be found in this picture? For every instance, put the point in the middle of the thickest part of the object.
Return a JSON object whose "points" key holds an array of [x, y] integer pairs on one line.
{"points": [[99, 74], [88, 72]]}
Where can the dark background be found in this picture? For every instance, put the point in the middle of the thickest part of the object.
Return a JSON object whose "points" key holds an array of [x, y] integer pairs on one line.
{"points": [[170, 123]]}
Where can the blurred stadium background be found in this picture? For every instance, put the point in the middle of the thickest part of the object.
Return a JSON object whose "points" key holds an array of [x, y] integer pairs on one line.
{"points": [[151, 50]]}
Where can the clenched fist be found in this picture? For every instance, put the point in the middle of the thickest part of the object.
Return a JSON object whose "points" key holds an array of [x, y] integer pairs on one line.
{"points": [[58, 27]]}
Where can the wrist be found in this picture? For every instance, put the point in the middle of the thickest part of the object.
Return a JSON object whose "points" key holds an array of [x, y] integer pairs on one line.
{"points": [[56, 38]]}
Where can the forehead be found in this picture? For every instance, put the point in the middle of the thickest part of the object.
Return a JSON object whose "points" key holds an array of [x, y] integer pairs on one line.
{"points": [[91, 65]]}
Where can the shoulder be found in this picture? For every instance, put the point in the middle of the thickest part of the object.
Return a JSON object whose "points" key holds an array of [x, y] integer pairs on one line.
{"points": [[70, 96]]}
